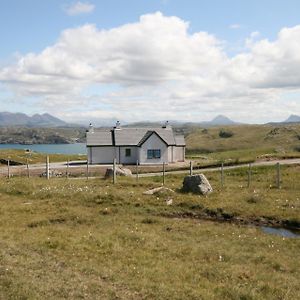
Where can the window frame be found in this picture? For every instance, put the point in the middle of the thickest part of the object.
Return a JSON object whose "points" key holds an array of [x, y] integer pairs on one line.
{"points": [[153, 153], [127, 152]]}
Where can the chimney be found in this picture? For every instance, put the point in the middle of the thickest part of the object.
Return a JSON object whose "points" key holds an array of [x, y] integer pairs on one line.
{"points": [[118, 125], [91, 128], [166, 125]]}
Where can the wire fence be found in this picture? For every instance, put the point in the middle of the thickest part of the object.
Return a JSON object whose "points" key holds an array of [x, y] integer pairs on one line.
{"points": [[68, 169]]}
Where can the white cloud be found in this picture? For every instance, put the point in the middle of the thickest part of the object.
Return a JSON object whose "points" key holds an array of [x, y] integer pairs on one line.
{"points": [[161, 71], [249, 42], [79, 8]]}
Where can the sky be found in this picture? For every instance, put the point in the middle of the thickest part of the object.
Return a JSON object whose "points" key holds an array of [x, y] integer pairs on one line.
{"points": [[154, 60]]}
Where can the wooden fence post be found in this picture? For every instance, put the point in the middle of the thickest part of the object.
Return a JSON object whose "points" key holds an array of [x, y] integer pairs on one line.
{"points": [[87, 170], [191, 168], [164, 170], [114, 172], [27, 167], [137, 171], [47, 167], [8, 168], [249, 175], [67, 173], [222, 174], [278, 179]]}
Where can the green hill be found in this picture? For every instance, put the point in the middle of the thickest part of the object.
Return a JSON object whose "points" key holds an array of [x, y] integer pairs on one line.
{"points": [[247, 142]]}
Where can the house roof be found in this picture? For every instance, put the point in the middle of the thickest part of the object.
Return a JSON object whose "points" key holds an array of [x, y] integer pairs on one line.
{"points": [[131, 136], [99, 138], [179, 140]]}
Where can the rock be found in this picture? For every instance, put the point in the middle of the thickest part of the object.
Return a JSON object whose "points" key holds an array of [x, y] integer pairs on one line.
{"points": [[159, 190], [197, 184], [169, 201], [119, 172]]}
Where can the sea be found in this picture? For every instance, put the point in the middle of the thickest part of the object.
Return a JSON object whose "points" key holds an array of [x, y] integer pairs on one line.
{"points": [[77, 148]]}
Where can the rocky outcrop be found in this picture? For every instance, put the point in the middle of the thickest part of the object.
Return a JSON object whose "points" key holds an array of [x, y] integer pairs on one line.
{"points": [[158, 190]]}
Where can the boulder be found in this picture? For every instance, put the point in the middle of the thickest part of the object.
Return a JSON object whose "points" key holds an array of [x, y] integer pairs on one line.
{"points": [[197, 184], [119, 172], [159, 190]]}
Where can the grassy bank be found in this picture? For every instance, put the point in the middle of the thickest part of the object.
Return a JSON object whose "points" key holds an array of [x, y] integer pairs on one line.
{"points": [[244, 143], [89, 239], [21, 156]]}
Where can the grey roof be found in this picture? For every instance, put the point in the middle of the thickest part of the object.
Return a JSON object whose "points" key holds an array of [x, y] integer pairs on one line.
{"points": [[179, 139], [131, 136], [145, 137], [99, 138]]}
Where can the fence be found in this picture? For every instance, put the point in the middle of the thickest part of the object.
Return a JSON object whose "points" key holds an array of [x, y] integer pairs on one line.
{"points": [[67, 170]]}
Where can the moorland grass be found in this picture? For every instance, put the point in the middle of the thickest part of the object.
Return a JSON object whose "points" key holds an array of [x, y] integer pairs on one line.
{"points": [[248, 142], [22, 156], [79, 239]]}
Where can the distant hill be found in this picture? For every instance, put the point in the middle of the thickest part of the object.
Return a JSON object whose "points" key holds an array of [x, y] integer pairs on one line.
{"points": [[220, 120], [292, 119], [37, 120]]}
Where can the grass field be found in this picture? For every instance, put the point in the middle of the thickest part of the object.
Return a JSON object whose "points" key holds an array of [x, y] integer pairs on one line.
{"points": [[21, 156], [247, 143], [79, 239]]}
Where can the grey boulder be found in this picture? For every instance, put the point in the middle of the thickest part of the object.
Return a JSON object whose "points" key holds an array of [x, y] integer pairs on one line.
{"points": [[197, 184], [119, 172]]}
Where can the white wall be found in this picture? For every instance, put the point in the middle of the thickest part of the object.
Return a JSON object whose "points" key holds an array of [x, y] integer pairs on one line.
{"points": [[153, 142], [179, 153], [130, 159], [101, 155], [171, 154], [106, 155]]}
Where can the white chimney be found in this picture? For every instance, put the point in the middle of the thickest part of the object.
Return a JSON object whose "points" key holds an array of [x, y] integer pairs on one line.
{"points": [[91, 128], [166, 125], [118, 125]]}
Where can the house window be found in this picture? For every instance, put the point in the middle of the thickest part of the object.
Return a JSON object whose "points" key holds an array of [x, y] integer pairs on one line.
{"points": [[153, 153], [127, 152]]}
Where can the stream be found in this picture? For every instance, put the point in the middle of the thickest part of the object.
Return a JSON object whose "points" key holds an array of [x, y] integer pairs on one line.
{"points": [[281, 232]]}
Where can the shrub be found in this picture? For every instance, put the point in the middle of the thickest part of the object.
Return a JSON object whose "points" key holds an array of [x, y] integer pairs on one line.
{"points": [[297, 148], [225, 133]]}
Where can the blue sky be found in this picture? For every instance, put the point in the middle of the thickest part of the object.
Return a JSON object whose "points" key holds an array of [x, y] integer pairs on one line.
{"points": [[238, 27], [32, 25]]}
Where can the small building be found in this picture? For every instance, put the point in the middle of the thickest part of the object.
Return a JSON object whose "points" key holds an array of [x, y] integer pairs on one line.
{"points": [[131, 145]]}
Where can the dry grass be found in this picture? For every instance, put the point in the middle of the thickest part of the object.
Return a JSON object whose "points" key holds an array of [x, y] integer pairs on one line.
{"points": [[21, 156], [248, 141], [78, 239]]}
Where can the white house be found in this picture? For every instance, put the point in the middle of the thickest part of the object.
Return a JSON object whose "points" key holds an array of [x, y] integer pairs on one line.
{"points": [[131, 145]]}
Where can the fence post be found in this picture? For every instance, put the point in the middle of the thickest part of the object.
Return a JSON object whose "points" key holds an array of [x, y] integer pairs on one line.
{"points": [[164, 170], [27, 167], [87, 170], [114, 172], [137, 171], [191, 168], [47, 168], [278, 175], [8, 168], [67, 173], [222, 174], [249, 175]]}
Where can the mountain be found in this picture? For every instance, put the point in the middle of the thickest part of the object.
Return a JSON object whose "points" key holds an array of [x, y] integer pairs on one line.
{"points": [[37, 120], [221, 120], [292, 119]]}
